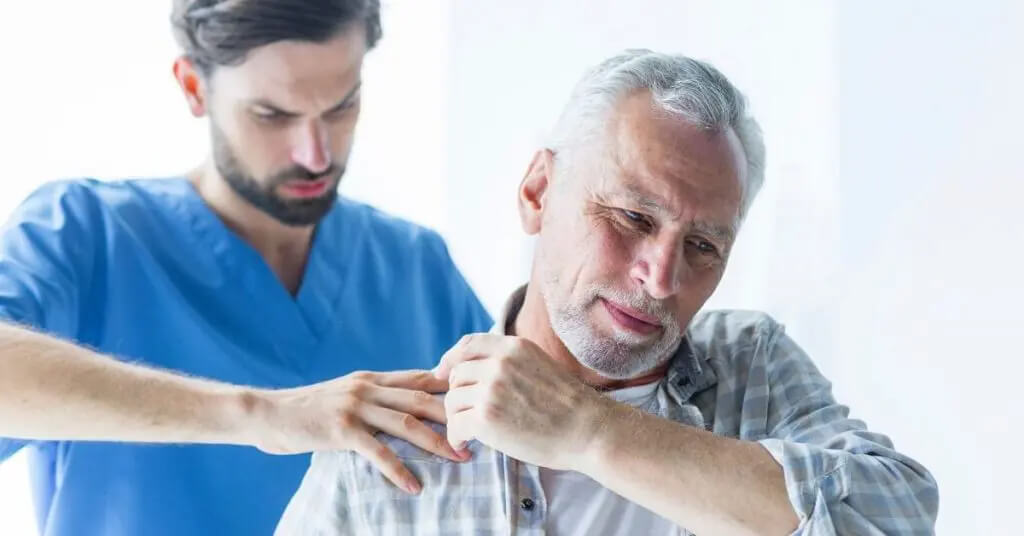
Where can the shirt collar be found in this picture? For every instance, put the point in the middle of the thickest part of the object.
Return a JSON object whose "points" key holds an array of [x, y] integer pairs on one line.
{"points": [[688, 373], [506, 322]]}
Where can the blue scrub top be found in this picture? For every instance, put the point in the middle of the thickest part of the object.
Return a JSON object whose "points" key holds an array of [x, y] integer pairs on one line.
{"points": [[145, 271]]}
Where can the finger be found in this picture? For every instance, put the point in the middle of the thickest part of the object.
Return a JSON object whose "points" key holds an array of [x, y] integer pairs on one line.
{"points": [[419, 380], [461, 399], [418, 403], [470, 347], [386, 462], [461, 428], [409, 428], [469, 373]]}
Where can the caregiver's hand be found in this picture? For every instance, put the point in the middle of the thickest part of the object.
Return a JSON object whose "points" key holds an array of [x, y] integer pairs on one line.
{"points": [[344, 414]]}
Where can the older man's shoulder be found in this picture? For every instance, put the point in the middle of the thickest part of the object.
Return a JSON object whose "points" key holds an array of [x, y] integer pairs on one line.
{"points": [[733, 336], [404, 450]]}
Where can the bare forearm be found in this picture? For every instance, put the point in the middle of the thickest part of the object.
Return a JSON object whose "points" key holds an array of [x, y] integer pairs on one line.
{"points": [[51, 389], [706, 483]]}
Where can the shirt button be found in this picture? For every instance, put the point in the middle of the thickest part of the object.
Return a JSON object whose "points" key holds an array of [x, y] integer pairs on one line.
{"points": [[526, 504]]}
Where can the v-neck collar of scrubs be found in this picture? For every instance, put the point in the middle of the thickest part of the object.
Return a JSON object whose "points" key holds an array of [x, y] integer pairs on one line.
{"points": [[302, 319]]}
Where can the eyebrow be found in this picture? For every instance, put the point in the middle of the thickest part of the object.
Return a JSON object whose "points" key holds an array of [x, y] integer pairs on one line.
{"points": [[723, 233], [349, 97]]}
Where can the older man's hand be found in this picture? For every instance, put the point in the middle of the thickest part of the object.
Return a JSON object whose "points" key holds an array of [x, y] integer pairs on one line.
{"points": [[508, 394]]}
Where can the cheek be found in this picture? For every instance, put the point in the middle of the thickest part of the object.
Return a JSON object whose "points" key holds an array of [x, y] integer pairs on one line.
{"points": [[695, 292], [270, 152], [263, 151], [341, 134], [611, 252]]}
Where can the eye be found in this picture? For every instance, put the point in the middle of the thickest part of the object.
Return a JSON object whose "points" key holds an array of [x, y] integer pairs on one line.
{"points": [[637, 220], [339, 112], [635, 216], [268, 115], [703, 246]]}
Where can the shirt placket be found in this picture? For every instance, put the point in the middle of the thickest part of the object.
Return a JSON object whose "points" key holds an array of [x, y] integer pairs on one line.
{"points": [[527, 508]]}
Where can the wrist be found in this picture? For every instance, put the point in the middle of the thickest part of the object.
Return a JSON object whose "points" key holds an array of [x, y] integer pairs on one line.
{"points": [[253, 416], [602, 422]]}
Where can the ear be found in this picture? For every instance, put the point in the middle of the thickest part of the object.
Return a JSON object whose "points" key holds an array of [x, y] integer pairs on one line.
{"points": [[191, 84], [533, 189]]}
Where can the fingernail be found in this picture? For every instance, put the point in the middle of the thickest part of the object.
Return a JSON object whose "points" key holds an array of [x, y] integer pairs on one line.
{"points": [[413, 487], [464, 454]]}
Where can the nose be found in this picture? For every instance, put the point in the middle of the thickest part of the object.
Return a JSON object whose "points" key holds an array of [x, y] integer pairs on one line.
{"points": [[660, 267], [310, 148]]}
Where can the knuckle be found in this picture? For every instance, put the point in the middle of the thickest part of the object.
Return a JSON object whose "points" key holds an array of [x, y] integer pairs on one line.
{"points": [[361, 375], [421, 398], [494, 394], [505, 364], [515, 344], [470, 339], [410, 423], [421, 379], [350, 402], [491, 411], [359, 388], [384, 454], [348, 419]]}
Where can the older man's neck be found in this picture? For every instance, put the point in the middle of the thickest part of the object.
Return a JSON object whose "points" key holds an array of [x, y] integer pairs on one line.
{"points": [[533, 323]]}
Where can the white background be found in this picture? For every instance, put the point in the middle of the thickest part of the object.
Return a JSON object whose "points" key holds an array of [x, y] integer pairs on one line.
{"points": [[887, 237]]}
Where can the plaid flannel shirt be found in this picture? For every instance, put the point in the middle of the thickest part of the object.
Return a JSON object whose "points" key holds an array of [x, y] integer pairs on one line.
{"points": [[737, 374]]}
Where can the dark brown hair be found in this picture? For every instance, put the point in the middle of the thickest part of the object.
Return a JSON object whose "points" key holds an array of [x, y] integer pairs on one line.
{"points": [[222, 32]]}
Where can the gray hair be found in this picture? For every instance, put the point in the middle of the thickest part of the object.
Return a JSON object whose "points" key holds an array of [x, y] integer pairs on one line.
{"points": [[690, 89]]}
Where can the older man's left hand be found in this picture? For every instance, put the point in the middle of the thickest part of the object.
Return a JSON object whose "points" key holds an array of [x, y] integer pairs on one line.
{"points": [[510, 395]]}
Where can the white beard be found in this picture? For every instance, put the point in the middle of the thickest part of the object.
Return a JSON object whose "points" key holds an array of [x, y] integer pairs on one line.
{"points": [[622, 355]]}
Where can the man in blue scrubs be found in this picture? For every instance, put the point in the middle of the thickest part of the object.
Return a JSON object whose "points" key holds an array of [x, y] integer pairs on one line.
{"points": [[248, 276]]}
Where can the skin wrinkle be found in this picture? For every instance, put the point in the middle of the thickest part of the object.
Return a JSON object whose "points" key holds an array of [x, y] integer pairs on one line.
{"points": [[596, 265], [590, 248]]}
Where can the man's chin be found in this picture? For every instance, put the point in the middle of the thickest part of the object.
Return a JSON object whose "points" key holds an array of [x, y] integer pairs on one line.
{"points": [[302, 213], [623, 344], [622, 337]]}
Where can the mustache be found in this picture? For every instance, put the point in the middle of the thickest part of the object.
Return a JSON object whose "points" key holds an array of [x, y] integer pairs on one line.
{"points": [[641, 302], [299, 173]]}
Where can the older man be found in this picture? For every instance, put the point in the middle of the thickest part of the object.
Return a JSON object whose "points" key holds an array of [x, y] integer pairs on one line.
{"points": [[602, 403]]}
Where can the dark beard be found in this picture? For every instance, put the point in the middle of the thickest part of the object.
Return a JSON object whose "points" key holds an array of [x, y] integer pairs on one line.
{"points": [[293, 212]]}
